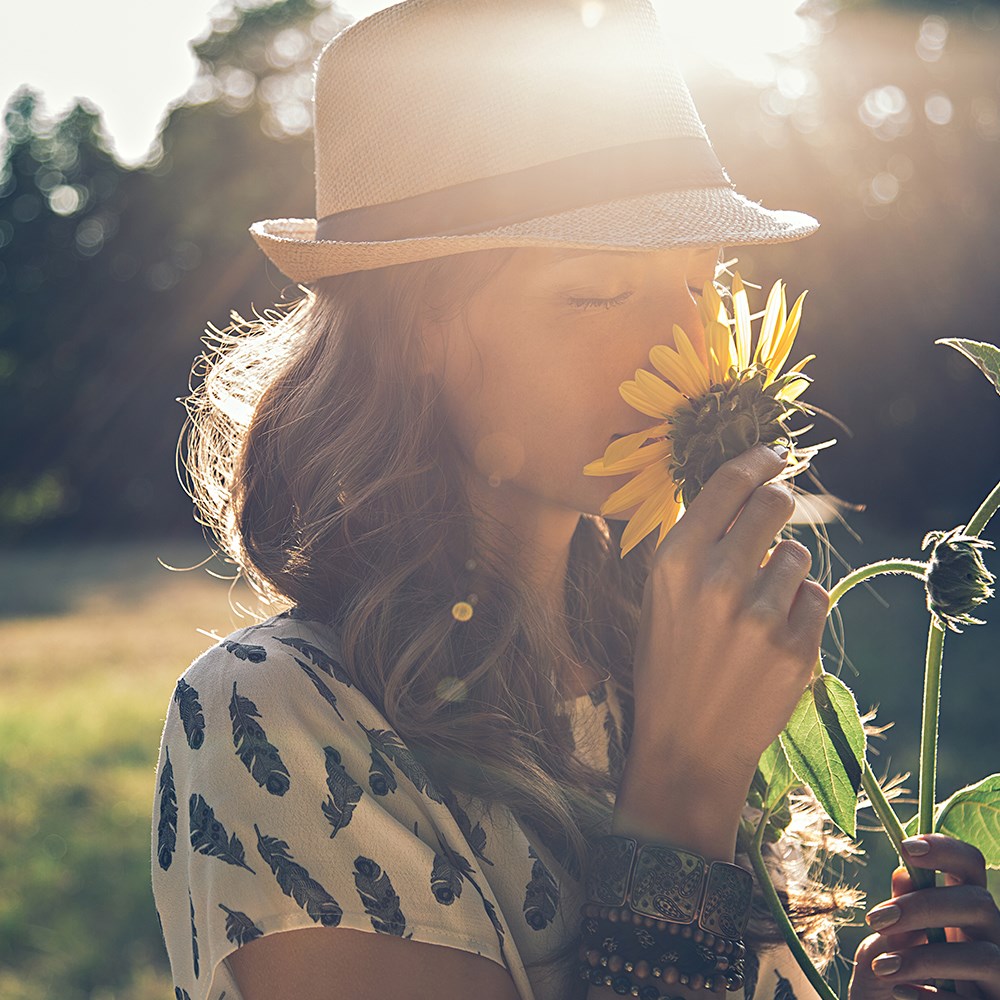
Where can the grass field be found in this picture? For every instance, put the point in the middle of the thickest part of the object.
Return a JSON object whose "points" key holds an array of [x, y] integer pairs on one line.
{"points": [[92, 640]]}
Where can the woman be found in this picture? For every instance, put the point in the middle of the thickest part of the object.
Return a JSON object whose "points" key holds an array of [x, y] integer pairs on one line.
{"points": [[410, 781]]}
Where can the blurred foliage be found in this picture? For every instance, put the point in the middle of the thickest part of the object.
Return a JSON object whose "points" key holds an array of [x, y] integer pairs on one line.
{"points": [[887, 129]]}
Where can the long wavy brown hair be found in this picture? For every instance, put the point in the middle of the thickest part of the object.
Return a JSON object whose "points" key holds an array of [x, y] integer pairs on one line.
{"points": [[320, 459]]}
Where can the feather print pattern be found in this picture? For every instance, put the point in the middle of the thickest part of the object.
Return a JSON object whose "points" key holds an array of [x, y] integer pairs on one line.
{"points": [[260, 757], [166, 830], [326, 693], [239, 927], [387, 743], [194, 937], [447, 873], [378, 896], [245, 651], [541, 897], [208, 836], [180, 994], [345, 792], [475, 835], [191, 714], [381, 780], [297, 883], [783, 990], [319, 657]]}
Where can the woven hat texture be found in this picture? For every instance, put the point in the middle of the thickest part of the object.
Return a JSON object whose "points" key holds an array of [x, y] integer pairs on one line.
{"points": [[447, 126]]}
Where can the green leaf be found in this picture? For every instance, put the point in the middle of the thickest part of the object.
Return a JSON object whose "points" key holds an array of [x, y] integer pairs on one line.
{"points": [[972, 814], [824, 742], [986, 357], [777, 772]]}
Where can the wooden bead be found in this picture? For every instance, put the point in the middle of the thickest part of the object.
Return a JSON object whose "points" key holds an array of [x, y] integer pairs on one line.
{"points": [[615, 963], [649, 921], [673, 929], [642, 969], [614, 915], [709, 940], [638, 919], [686, 931], [670, 974], [719, 947], [661, 925], [696, 981], [698, 935], [593, 956]]}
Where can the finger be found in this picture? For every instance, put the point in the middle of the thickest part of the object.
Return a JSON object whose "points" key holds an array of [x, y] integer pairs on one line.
{"points": [[715, 508], [969, 907], [765, 513], [807, 617], [778, 581], [962, 863], [975, 961]]}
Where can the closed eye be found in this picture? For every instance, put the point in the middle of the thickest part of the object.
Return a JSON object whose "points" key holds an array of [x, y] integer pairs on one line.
{"points": [[599, 303]]}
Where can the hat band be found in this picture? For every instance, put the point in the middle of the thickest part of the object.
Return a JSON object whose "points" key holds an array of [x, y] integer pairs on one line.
{"points": [[557, 186]]}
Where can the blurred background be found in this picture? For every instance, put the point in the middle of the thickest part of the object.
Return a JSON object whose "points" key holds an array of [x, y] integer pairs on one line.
{"points": [[136, 148]]}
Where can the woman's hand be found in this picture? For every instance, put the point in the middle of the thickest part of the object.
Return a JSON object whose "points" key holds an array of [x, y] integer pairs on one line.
{"points": [[963, 906], [726, 646]]}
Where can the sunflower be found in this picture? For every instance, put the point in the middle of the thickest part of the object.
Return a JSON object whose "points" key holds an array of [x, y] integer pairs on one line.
{"points": [[707, 413]]}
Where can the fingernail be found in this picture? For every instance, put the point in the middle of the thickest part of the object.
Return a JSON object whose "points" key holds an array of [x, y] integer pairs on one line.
{"points": [[882, 916], [780, 450], [886, 965], [904, 992], [916, 846]]}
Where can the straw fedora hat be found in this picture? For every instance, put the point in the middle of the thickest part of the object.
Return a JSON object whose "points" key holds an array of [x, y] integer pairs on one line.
{"points": [[447, 126]]}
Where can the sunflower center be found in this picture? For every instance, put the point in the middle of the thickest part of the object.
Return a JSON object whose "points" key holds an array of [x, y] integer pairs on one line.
{"points": [[723, 423]]}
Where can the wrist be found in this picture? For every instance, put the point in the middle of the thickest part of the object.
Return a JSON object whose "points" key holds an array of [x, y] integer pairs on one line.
{"points": [[689, 807]]}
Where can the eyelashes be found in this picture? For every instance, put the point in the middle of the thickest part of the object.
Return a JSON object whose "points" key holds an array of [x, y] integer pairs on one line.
{"points": [[599, 303]]}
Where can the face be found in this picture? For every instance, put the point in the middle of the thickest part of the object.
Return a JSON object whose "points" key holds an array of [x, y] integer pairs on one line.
{"points": [[530, 374]]}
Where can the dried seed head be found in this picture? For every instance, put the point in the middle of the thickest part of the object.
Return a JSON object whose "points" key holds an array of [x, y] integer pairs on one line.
{"points": [[957, 578]]}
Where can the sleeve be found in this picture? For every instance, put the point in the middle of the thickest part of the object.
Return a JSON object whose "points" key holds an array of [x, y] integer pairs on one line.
{"points": [[284, 800]]}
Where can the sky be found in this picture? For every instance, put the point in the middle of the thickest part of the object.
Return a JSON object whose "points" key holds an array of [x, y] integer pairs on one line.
{"points": [[132, 58]]}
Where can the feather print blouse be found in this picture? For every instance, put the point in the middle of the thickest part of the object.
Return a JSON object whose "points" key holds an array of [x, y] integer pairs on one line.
{"points": [[284, 800]]}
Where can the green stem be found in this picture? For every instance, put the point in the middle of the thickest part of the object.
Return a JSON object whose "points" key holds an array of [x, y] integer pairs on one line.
{"points": [[778, 911], [912, 566], [986, 510]]}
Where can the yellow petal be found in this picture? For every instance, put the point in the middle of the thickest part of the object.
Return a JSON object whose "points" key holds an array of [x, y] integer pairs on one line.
{"points": [[769, 324], [784, 346], [624, 446], [721, 352], [659, 451], [690, 357], [637, 489], [794, 389], [639, 400], [741, 310], [670, 365], [658, 390], [711, 306], [670, 518], [649, 514]]}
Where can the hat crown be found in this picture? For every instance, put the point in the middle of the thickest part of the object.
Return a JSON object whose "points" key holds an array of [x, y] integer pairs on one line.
{"points": [[428, 94]]}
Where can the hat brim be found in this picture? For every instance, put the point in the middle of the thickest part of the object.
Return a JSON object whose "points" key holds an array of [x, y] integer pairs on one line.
{"points": [[693, 217]]}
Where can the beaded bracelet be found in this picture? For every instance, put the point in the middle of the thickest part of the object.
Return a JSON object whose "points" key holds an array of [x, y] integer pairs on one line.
{"points": [[690, 953]]}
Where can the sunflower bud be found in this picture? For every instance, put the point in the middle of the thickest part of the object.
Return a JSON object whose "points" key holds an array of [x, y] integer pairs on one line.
{"points": [[957, 578]]}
